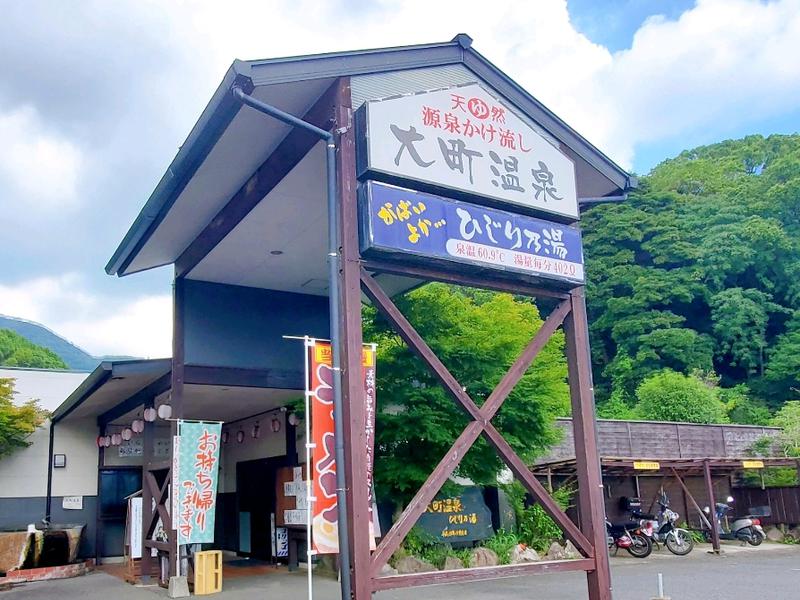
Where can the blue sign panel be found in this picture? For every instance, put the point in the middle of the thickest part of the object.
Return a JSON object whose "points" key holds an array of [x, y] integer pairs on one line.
{"points": [[400, 221]]}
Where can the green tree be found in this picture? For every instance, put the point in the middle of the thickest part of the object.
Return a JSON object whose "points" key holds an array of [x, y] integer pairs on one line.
{"points": [[671, 396], [16, 422], [477, 335], [16, 351], [788, 419], [700, 269]]}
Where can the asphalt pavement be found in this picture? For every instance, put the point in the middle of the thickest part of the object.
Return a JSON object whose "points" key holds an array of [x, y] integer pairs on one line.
{"points": [[770, 572]]}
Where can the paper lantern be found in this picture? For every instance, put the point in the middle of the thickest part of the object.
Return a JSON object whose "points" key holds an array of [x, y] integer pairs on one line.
{"points": [[107, 441], [256, 430], [127, 433], [240, 436], [116, 439], [137, 426], [225, 436], [101, 441], [150, 414], [293, 419], [165, 411], [276, 425]]}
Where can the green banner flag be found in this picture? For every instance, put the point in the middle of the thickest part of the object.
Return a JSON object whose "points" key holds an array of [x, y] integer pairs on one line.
{"points": [[194, 481]]}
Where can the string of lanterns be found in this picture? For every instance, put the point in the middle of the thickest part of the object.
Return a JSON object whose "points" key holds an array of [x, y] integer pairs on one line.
{"points": [[164, 412], [255, 431]]}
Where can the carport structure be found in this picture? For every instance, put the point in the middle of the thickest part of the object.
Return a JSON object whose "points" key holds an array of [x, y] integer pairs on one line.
{"points": [[242, 214], [677, 468]]}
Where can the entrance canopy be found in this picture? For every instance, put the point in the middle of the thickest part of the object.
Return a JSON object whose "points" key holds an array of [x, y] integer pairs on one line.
{"points": [[207, 215], [116, 392]]}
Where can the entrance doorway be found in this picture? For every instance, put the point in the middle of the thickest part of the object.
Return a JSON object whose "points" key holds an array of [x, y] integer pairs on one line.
{"points": [[255, 492]]}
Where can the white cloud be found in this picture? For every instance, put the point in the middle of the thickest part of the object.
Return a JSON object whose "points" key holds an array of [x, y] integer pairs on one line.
{"points": [[138, 327], [38, 169], [722, 65]]}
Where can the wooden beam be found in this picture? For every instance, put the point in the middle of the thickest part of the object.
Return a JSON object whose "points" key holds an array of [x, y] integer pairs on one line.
{"points": [[691, 499], [281, 379], [712, 505], [591, 503], [525, 360], [481, 420], [426, 493], [148, 450], [448, 276], [148, 392], [266, 177], [417, 345], [480, 573], [357, 507]]}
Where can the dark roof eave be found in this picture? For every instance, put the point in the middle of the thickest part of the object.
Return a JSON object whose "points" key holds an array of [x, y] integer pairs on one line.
{"points": [[217, 115], [102, 374], [89, 386]]}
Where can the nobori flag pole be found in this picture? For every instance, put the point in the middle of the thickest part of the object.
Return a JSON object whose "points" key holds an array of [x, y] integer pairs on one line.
{"points": [[308, 343]]}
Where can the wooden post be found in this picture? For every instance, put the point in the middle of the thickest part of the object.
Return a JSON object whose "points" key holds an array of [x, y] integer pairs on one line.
{"points": [[357, 497], [99, 523], [148, 449], [711, 506], [176, 401], [587, 462]]}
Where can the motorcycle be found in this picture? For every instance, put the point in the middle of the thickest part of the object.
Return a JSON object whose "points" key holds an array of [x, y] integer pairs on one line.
{"points": [[662, 529], [628, 536], [745, 529]]}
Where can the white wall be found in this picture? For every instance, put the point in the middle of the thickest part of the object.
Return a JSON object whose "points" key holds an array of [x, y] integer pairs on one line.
{"points": [[267, 445], [78, 440], [51, 388], [23, 474]]}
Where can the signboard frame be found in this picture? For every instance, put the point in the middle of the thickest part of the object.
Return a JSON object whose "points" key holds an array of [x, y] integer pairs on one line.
{"points": [[568, 237], [366, 169]]}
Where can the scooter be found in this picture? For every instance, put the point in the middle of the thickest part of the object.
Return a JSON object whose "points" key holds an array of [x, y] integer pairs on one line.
{"points": [[630, 537], [745, 529], [662, 529]]}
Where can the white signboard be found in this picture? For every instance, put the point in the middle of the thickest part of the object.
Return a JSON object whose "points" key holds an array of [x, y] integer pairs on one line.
{"points": [[295, 517], [72, 503], [463, 138], [135, 526], [133, 447]]}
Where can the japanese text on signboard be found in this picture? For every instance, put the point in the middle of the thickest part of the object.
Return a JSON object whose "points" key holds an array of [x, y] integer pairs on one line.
{"points": [[325, 517], [465, 139], [195, 481], [400, 220]]}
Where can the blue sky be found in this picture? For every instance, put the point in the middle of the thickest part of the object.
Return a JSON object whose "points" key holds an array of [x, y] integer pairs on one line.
{"points": [[96, 97]]}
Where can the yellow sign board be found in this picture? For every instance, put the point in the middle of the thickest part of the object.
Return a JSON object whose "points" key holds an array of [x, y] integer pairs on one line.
{"points": [[753, 464], [646, 466]]}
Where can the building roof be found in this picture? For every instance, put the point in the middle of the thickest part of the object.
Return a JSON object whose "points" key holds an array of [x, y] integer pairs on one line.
{"points": [[662, 441], [227, 144], [110, 383]]}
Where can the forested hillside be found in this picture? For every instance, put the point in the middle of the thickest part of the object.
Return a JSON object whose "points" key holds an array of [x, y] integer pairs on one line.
{"points": [[16, 351], [73, 357], [699, 272]]}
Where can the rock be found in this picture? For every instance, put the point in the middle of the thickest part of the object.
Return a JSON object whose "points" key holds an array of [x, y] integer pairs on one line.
{"points": [[775, 535], [570, 551], [555, 552], [387, 570], [794, 532], [523, 554], [412, 564], [451, 563], [483, 557]]}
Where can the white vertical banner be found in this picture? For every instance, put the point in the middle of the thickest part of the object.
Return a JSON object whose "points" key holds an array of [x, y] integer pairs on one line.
{"points": [[176, 475]]}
